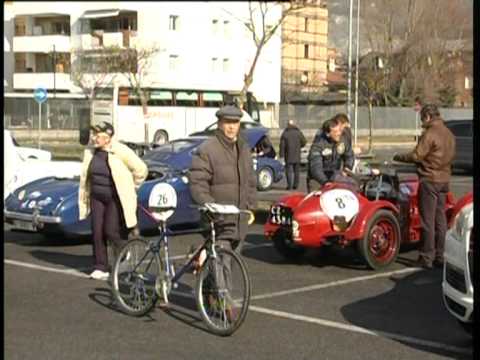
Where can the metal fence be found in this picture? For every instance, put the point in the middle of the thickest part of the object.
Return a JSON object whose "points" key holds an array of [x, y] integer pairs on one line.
{"points": [[387, 119], [56, 114]]}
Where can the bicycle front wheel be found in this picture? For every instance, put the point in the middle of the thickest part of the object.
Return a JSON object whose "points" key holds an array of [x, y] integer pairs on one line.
{"points": [[223, 292], [134, 275]]}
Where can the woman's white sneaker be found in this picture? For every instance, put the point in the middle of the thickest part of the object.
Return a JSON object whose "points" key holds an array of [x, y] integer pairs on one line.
{"points": [[99, 275]]}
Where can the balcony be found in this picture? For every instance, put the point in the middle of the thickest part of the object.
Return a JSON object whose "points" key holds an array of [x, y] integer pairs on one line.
{"points": [[34, 80], [41, 43], [98, 38]]}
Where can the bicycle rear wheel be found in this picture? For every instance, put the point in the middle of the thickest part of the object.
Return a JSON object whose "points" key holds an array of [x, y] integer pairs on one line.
{"points": [[223, 292], [134, 275]]}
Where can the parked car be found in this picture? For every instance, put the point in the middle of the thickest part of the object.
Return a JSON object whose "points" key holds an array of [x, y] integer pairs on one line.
{"points": [[463, 131], [377, 216], [28, 152], [50, 206], [244, 124], [178, 155], [457, 282], [19, 170]]}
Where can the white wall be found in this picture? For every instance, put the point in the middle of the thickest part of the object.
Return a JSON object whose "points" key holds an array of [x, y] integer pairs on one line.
{"points": [[194, 43], [8, 58]]}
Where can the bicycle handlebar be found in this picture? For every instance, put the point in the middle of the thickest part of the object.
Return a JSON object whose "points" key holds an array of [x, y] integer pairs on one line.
{"points": [[221, 209]]}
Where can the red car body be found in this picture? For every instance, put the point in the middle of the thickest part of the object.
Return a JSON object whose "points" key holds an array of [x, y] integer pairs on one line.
{"points": [[384, 219]]}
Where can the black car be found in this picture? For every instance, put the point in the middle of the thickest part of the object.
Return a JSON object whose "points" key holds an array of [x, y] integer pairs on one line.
{"points": [[463, 131]]}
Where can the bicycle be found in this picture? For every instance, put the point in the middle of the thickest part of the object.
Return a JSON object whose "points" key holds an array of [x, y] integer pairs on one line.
{"points": [[143, 273]]}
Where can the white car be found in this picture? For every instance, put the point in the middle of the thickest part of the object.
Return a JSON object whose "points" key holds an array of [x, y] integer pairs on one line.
{"points": [[30, 153], [457, 282], [19, 170]]}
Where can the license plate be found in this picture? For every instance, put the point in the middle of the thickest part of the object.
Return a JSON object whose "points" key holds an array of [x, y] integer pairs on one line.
{"points": [[281, 215], [23, 225]]}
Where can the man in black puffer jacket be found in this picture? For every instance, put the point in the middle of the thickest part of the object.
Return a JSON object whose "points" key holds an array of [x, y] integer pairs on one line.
{"points": [[292, 141]]}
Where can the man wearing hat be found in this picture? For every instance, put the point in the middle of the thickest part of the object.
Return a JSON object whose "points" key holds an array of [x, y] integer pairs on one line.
{"points": [[222, 172], [111, 173]]}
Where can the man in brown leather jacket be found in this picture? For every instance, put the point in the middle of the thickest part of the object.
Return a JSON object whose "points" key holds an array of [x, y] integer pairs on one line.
{"points": [[433, 156]]}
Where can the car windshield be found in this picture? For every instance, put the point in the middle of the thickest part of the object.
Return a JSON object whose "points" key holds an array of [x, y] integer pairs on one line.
{"points": [[173, 147]]}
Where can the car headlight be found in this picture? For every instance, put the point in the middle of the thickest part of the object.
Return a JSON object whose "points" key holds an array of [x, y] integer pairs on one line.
{"points": [[461, 222]]}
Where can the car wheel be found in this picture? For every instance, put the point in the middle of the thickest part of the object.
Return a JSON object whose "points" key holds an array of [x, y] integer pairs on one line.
{"points": [[381, 242], [160, 137], [284, 245], [468, 327], [264, 179]]}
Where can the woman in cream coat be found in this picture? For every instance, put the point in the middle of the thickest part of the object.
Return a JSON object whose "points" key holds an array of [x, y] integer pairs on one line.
{"points": [[111, 174]]}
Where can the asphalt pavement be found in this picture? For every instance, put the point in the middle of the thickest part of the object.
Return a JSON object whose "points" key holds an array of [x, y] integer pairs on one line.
{"points": [[326, 306]]}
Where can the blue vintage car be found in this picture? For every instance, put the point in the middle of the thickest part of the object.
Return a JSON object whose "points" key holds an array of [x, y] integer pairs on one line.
{"points": [[50, 206], [178, 155]]}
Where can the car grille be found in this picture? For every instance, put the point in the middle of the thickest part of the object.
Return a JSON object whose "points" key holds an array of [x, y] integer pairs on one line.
{"points": [[455, 307], [456, 278], [281, 215]]}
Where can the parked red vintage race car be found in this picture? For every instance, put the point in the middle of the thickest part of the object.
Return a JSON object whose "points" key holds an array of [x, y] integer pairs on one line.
{"points": [[377, 215]]}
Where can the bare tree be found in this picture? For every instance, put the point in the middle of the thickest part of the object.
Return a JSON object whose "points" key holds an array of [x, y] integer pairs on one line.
{"points": [[262, 29], [134, 65], [415, 40]]}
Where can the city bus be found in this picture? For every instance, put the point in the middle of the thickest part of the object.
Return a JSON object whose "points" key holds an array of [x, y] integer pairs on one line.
{"points": [[171, 113]]}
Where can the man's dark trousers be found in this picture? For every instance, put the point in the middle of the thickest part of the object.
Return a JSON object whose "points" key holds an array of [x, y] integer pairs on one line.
{"points": [[432, 198], [292, 173], [107, 223]]}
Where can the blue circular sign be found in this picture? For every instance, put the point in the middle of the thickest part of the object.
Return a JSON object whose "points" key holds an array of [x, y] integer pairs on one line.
{"points": [[40, 95]]}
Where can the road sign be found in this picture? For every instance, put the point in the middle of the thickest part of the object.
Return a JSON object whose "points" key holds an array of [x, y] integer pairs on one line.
{"points": [[40, 95]]}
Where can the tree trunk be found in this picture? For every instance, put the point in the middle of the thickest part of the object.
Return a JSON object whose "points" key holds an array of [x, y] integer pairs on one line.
{"points": [[143, 100], [249, 77]]}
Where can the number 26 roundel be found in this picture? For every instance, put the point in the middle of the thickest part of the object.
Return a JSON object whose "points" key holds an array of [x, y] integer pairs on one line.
{"points": [[339, 202]]}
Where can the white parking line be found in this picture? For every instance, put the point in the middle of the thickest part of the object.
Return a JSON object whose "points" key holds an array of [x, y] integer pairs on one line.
{"points": [[357, 329], [333, 283], [291, 316], [73, 272]]}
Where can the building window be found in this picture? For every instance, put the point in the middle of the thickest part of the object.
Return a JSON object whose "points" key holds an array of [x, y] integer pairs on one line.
{"points": [[226, 29], [215, 26], [173, 64], [226, 65], [468, 82], [305, 51], [214, 65], [306, 24], [304, 78], [173, 25]]}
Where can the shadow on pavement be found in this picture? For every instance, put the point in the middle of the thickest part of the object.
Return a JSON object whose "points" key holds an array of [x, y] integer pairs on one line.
{"points": [[78, 262], [23, 238], [413, 308], [325, 256]]}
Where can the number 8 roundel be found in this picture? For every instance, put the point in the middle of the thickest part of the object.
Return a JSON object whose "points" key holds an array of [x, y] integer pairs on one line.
{"points": [[339, 202], [162, 195]]}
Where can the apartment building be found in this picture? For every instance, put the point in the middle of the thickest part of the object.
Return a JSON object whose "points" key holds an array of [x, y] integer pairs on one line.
{"points": [[305, 58], [203, 45]]}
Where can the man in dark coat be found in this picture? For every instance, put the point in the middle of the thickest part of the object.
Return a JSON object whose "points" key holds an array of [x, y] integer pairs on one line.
{"points": [[292, 141], [433, 156], [329, 154], [222, 172]]}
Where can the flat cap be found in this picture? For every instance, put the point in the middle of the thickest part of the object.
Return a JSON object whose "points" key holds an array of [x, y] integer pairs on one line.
{"points": [[229, 112], [103, 127]]}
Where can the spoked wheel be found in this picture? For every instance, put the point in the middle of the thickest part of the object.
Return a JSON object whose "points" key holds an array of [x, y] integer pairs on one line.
{"points": [[223, 292], [134, 275], [381, 243], [264, 179]]}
